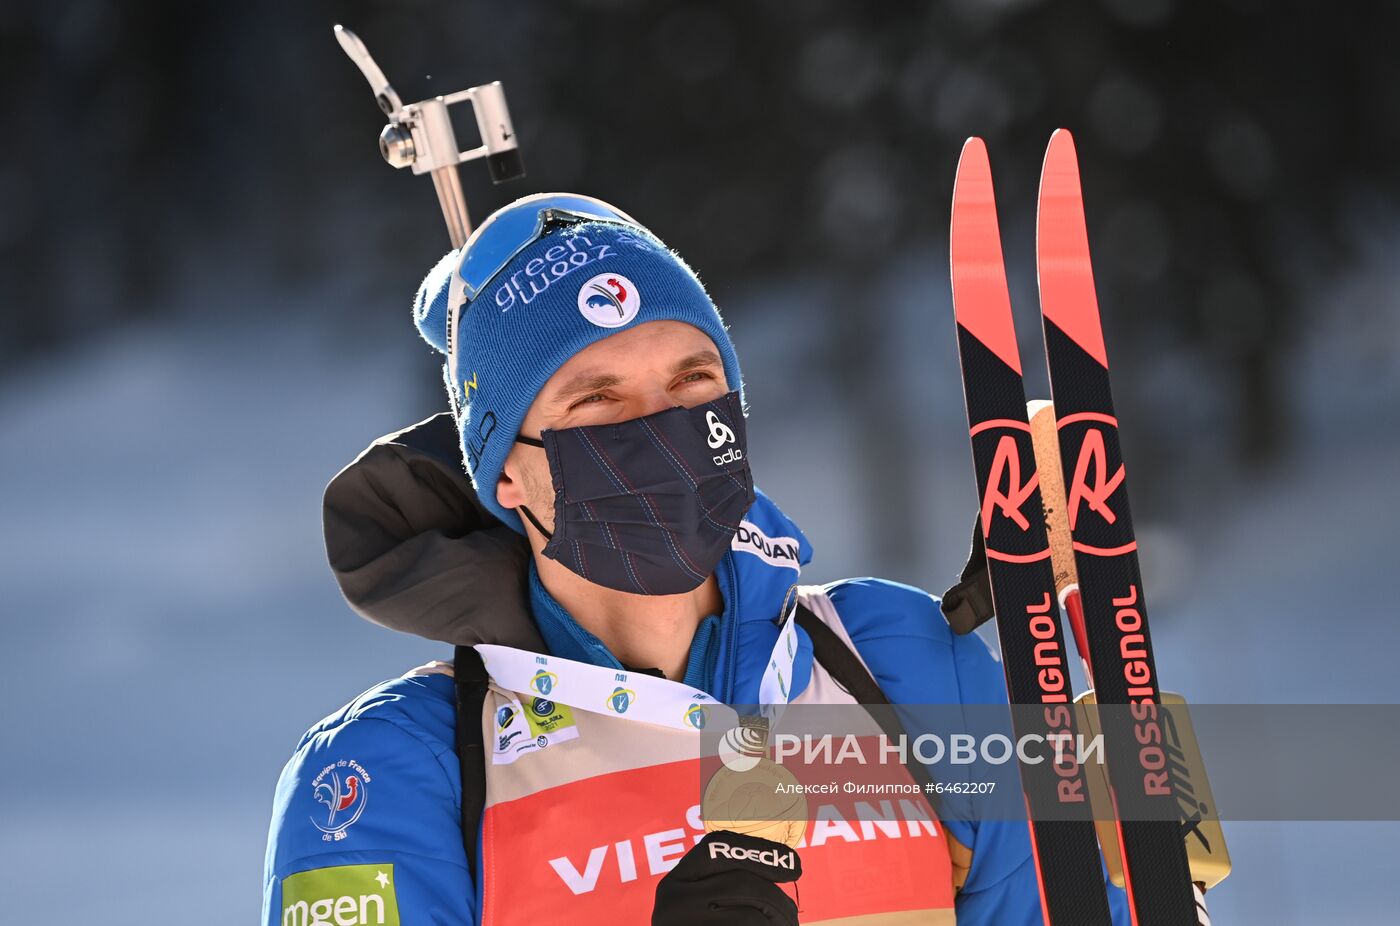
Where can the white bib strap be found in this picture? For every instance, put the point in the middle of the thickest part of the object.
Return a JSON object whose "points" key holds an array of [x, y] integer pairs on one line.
{"points": [[637, 695]]}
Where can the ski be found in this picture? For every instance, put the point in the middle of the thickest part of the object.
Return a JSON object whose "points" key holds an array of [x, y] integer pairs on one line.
{"points": [[1155, 868], [1206, 851], [1063, 841]]}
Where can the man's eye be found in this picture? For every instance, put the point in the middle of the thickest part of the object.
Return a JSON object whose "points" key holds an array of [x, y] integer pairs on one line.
{"points": [[593, 399], [696, 377]]}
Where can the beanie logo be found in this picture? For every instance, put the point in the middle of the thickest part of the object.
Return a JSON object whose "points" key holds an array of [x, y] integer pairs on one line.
{"points": [[609, 300]]}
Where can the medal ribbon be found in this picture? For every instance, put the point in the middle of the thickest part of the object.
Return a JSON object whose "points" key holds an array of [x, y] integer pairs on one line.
{"points": [[636, 695]]}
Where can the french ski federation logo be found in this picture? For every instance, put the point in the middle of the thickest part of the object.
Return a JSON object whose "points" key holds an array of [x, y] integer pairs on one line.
{"points": [[1006, 496], [695, 715], [543, 682], [343, 787], [609, 300], [621, 699]]}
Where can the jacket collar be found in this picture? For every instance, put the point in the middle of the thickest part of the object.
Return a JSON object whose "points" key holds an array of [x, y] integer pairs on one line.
{"points": [[763, 565], [565, 636]]}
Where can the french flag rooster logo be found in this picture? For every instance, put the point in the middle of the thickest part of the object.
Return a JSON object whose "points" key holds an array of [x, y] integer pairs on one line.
{"points": [[344, 800], [612, 294]]}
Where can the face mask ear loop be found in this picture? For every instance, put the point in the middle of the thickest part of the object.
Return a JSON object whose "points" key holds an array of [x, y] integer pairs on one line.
{"points": [[529, 515], [535, 521]]}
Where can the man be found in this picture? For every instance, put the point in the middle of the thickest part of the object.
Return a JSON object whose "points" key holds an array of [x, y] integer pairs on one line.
{"points": [[626, 581]]}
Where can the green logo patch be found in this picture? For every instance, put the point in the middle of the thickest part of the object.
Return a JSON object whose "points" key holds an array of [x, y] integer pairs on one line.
{"points": [[544, 716], [346, 895]]}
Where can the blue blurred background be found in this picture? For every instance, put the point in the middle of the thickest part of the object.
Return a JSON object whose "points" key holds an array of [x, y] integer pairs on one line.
{"points": [[207, 272]]}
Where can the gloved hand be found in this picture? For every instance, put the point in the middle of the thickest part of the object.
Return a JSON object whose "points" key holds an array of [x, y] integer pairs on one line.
{"points": [[729, 878]]}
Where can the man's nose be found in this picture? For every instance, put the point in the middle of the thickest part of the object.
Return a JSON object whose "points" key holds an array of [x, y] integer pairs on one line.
{"points": [[655, 400]]}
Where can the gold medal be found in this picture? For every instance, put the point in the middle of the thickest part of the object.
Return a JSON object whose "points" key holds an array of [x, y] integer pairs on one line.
{"points": [[751, 793]]}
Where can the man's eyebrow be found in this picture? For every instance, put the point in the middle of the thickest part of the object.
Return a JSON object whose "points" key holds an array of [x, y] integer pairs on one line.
{"points": [[585, 384], [705, 358], [589, 383]]}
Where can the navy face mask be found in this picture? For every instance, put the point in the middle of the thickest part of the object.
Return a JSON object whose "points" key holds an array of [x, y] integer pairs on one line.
{"points": [[649, 505]]}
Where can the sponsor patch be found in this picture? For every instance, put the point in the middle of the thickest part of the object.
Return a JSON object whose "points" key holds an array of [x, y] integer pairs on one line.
{"points": [[775, 551], [527, 284], [613, 835], [696, 715], [621, 699], [504, 716], [345, 895], [543, 682], [521, 729], [547, 716]]}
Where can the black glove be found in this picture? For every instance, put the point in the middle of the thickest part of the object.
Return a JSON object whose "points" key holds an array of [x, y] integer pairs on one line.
{"points": [[729, 878], [968, 604]]}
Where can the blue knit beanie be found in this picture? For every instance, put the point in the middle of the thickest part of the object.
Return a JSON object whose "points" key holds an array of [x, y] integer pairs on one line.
{"points": [[575, 285]]}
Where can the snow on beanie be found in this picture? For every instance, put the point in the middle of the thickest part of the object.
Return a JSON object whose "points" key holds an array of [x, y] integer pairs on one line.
{"points": [[575, 285]]}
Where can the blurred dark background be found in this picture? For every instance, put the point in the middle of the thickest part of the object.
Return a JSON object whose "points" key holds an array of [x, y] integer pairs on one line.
{"points": [[207, 270], [1231, 148]]}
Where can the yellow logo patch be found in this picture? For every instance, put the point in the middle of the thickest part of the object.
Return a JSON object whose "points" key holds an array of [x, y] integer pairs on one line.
{"points": [[545, 716]]}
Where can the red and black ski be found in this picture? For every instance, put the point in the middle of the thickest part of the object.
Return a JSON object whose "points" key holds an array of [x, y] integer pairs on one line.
{"points": [[1156, 871], [1066, 850]]}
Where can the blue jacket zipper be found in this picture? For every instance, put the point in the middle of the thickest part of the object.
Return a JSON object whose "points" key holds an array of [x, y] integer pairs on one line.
{"points": [[732, 633]]}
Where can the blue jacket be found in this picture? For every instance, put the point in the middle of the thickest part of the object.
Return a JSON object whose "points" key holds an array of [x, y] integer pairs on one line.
{"points": [[366, 812]]}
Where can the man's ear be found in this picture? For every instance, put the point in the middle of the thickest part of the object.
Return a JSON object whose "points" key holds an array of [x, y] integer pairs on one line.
{"points": [[510, 492]]}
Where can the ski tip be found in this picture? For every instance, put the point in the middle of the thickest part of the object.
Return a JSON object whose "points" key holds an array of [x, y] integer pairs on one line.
{"points": [[1067, 295], [974, 167], [972, 187], [974, 143], [1061, 139], [1059, 173], [981, 303]]}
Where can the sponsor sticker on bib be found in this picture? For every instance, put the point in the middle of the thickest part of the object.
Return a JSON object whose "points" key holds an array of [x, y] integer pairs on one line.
{"points": [[545, 716], [529, 727]]}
